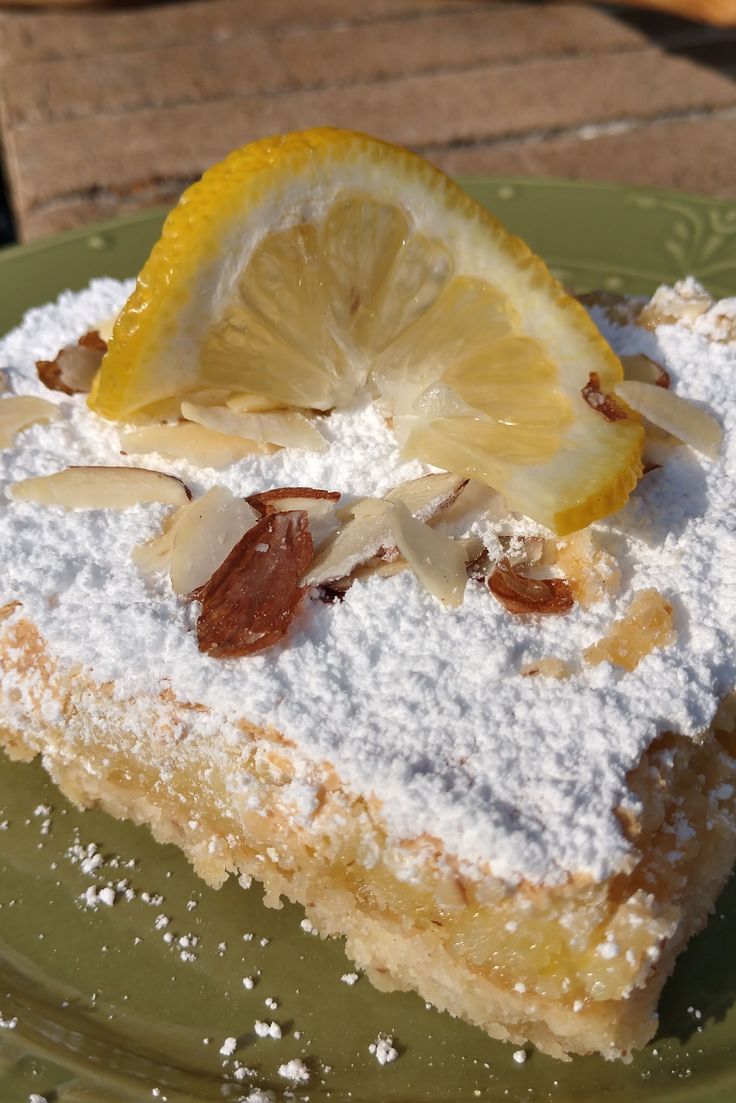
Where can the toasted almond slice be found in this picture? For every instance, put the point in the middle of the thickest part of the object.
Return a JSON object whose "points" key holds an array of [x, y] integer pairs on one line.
{"points": [[477, 501], [428, 495], [364, 532], [208, 396], [75, 366], [205, 536], [473, 548], [251, 404], [187, 441], [251, 599], [437, 561], [643, 369], [284, 498], [288, 428], [366, 529], [155, 555], [675, 415], [520, 595], [19, 411], [102, 488]]}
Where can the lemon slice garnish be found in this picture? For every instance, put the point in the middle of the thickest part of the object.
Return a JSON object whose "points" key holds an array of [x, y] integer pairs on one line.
{"points": [[307, 268]]}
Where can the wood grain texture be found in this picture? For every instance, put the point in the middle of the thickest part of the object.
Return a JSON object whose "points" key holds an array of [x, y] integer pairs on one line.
{"points": [[110, 111]]}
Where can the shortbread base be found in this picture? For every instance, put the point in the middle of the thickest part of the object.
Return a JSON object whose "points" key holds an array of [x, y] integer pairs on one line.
{"points": [[534, 972]]}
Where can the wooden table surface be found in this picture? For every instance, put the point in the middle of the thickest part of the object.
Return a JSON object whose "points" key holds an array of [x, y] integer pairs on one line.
{"points": [[109, 111]]}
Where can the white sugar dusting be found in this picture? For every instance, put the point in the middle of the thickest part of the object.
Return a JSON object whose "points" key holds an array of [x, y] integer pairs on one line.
{"points": [[421, 707]]}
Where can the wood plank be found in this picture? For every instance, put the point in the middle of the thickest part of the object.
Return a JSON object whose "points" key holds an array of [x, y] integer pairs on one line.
{"points": [[695, 155], [43, 35], [67, 158], [161, 76]]}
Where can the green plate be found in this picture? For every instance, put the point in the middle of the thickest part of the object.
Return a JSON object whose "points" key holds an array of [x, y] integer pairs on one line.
{"points": [[108, 1010]]}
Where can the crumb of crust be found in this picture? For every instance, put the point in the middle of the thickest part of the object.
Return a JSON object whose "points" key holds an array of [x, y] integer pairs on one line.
{"points": [[520, 1056], [294, 1070], [383, 1049], [350, 978], [591, 572], [647, 625], [228, 1047], [547, 668], [687, 303]]}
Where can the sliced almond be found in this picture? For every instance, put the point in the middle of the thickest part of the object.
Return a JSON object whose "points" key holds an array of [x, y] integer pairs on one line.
{"points": [[187, 441], [428, 495], [658, 446], [251, 599], [364, 532], [251, 404], [289, 428], [437, 561], [75, 366], [645, 370], [102, 488], [675, 415], [206, 535], [19, 411], [521, 595], [285, 498], [155, 555]]}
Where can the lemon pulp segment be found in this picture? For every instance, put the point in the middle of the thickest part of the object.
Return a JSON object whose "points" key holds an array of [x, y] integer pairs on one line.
{"points": [[306, 269]]}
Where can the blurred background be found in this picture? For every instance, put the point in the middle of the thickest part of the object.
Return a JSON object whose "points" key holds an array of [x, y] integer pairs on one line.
{"points": [[109, 109]]}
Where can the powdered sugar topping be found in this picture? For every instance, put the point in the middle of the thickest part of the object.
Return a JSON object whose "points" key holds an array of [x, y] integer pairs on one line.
{"points": [[421, 707]]}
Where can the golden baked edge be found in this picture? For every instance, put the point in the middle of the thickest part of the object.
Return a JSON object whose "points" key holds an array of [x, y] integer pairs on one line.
{"points": [[573, 969]]}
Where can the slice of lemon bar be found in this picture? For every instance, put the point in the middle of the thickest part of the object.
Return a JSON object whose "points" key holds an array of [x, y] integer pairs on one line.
{"points": [[497, 757]]}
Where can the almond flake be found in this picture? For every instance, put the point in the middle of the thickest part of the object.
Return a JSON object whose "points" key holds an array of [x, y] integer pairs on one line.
{"points": [[366, 530], [75, 366], [520, 595], [437, 560], [251, 599], [155, 555], [102, 488], [285, 498], [645, 370], [19, 411], [205, 536], [675, 415], [287, 428], [187, 441], [603, 404]]}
